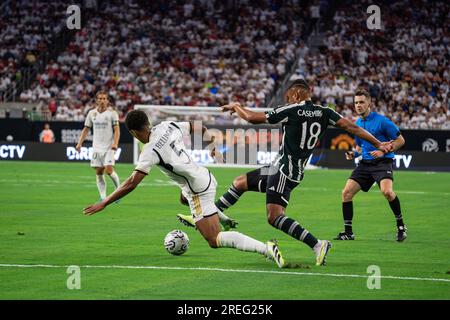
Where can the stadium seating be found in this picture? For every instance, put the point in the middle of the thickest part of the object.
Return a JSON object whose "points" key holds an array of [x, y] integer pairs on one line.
{"points": [[180, 54], [207, 53], [404, 65]]}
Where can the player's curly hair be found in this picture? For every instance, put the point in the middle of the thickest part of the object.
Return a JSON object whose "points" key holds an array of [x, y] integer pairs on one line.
{"points": [[137, 120]]}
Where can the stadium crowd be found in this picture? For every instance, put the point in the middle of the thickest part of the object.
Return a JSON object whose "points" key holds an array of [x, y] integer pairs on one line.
{"points": [[206, 53], [26, 31], [203, 53], [404, 65]]}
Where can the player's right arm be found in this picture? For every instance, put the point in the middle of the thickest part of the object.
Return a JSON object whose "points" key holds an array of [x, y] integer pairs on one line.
{"points": [[147, 159], [83, 136], [125, 188], [352, 128], [248, 115], [85, 131]]}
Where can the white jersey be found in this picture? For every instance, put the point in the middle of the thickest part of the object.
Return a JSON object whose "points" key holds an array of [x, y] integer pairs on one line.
{"points": [[167, 150], [103, 128]]}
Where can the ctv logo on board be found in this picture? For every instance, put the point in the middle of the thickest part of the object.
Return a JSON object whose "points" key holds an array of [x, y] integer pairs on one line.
{"points": [[86, 153], [11, 151]]}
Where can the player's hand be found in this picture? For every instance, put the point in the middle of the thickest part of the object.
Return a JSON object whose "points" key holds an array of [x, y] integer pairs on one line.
{"points": [[386, 146], [230, 107], [93, 208], [349, 155], [114, 147], [216, 155], [377, 154], [78, 147]]}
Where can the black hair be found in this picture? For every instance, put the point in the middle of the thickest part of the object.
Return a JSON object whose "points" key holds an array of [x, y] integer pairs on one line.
{"points": [[136, 120]]}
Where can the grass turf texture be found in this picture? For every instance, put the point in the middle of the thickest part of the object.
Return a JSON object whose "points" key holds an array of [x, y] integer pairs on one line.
{"points": [[41, 223]]}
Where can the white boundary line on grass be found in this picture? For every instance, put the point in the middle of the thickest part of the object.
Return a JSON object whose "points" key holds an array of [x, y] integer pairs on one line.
{"points": [[226, 270]]}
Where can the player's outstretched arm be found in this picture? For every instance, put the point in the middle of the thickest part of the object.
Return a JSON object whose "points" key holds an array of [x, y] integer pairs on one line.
{"points": [[363, 134], [396, 144], [248, 115], [125, 188], [83, 136]]}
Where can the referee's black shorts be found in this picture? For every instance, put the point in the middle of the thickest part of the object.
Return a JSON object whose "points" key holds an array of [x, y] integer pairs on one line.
{"points": [[275, 184], [369, 171]]}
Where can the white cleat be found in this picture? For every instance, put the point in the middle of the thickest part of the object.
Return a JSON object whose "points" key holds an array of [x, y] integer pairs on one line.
{"points": [[321, 250], [273, 253]]}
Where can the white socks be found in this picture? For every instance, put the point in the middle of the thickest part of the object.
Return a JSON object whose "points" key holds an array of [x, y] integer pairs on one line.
{"points": [[222, 217], [115, 179], [233, 239], [101, 185]]}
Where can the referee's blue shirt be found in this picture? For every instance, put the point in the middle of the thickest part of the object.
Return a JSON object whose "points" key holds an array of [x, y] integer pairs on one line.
{"points": [[381, 128]]}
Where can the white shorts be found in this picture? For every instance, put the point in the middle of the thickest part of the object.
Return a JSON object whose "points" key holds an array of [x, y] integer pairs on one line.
{"points": [[203, 204], [102, 159]]}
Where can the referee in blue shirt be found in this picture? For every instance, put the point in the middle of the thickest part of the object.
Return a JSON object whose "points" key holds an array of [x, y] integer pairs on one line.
{"points": [[375, 166]]}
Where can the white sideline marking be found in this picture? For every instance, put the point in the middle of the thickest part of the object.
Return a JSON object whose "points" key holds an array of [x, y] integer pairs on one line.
{"points": [[225, 270], [162, 183]]}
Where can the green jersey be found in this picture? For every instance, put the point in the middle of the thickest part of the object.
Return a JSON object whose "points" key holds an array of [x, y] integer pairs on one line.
{"points": [[303, 125]]}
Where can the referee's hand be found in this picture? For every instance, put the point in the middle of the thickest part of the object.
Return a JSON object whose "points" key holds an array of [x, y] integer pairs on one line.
{"points": [[349, 155], [377, 154]]}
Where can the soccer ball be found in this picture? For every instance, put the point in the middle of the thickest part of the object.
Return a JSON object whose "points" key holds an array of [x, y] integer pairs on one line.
{"points": [[176, 242]]}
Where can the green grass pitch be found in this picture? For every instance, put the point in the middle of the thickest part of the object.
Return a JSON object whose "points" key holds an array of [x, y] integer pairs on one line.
{"points": [[41, 224]]}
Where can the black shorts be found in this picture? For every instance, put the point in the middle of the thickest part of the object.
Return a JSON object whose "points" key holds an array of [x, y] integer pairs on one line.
{"points": [[368, 172], [271, 181]]}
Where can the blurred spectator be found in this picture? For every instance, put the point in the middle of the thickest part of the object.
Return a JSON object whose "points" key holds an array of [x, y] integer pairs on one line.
{"points": [[404, 65], [47, 135], [175, 53]]}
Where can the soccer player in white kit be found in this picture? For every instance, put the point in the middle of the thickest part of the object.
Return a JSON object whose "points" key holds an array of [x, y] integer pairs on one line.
{"points": [[164, 147], [104, 121]]}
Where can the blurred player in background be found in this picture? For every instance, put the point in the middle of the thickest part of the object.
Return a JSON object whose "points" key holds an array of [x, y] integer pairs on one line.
{"points": [[164, 147], [375, 166], [104, 121], [303, 125]]}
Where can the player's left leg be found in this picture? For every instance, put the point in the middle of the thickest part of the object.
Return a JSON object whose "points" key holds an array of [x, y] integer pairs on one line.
{"points": [[277, 198], [101, 183], [386, 187], [109, 168], [251, 181], [206, 219], [210, 230], [188, 220]]}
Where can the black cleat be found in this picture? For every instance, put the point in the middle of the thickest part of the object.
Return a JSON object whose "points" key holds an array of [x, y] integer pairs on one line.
{"points": [[345, 236], [401, 233]]}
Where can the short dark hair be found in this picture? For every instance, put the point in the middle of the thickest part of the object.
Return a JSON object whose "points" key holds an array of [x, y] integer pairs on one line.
{"points": [[136, 120], [362, 92], [299, 83]]}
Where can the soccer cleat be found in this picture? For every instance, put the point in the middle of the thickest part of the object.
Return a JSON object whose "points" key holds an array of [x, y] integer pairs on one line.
{"points": [[274, 253], [401, 233], [187, 220], [321, 252], [345, 236], [229, 224]]}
